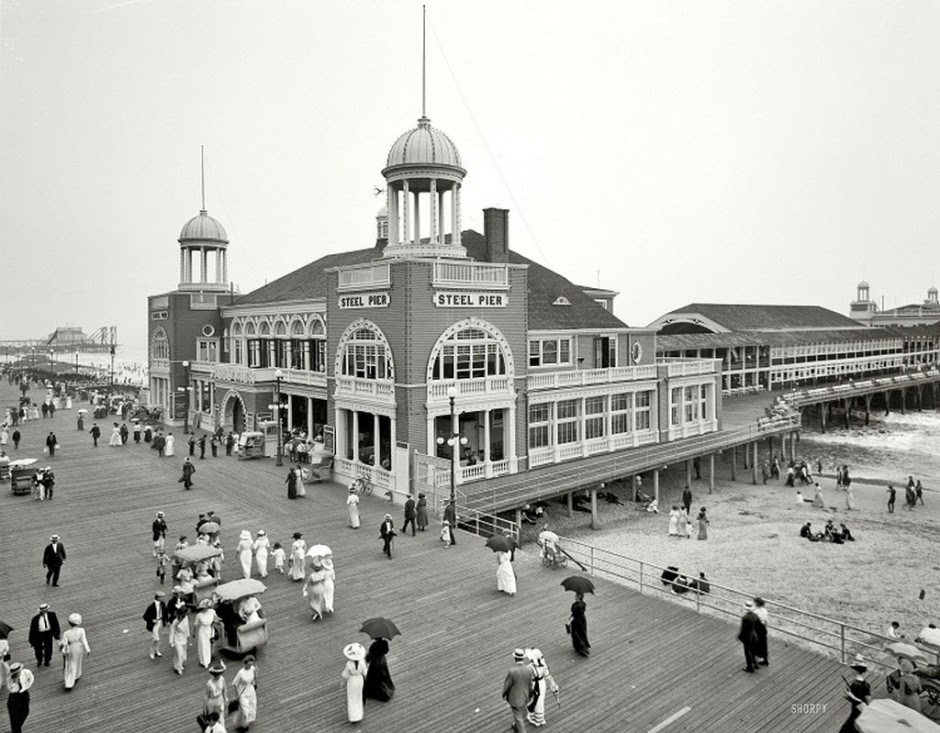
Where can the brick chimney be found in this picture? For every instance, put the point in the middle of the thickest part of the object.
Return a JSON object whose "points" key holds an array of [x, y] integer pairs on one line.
{"points": [[496, 234]]}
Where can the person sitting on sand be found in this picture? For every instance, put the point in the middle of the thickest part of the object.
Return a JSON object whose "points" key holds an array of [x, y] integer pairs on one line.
{"points": [[799, 498], [818, 499], [829, 530], [846, 535], [653, 506], [807, 531], [894, 631]]}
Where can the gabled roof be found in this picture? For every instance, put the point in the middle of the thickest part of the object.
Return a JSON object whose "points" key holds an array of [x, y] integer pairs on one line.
{"points": [[751, 317], [545, 287]]}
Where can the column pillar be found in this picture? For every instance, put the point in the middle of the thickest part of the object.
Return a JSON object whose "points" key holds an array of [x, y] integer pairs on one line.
{"points": [[487, 462], [711, 472], [204, 265], [290, 411], [434, 213], [376, 441], [734, 461], [392, 443], [218, 265], [569, 502], [440, 217], [224, 266], [594, 523], [393, 223], [182, 265], [456, 237], [688, 473], [417, 222], [823, 409], [847, 404], [509, 430], [656, 485], [310, 417], [867, 409], [406, 205], [754, 463], [355, 435]]}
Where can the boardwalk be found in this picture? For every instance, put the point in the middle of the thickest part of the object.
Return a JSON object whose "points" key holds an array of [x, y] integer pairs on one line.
{"points": [[652, 659]]}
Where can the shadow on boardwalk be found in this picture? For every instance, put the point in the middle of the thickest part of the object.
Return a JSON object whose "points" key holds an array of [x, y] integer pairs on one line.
{"points": [[651, 658]]}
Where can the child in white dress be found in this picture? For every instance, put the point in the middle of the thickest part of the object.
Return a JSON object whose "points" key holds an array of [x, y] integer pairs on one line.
{"points": [[278, 555], [445, 534]]}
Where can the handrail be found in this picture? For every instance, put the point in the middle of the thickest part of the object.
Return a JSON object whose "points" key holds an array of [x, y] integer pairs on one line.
{"points": [[842, 638]]}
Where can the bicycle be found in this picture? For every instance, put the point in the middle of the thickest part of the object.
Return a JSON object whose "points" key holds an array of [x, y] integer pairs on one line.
{"points": [[362, 485]]}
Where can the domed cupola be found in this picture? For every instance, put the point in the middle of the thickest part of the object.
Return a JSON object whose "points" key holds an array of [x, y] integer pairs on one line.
{"points": [[423, 172], [202, 238]]}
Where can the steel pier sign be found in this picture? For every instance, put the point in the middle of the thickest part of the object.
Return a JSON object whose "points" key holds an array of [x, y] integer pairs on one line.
{"points": [[364, 300], [463, 299]]}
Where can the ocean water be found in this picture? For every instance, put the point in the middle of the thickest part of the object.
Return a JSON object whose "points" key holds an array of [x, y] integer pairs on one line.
{"points": [[891, 448]]}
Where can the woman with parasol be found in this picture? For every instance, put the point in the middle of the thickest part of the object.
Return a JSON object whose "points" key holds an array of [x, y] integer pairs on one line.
{"points": [[313, 589], [579, 637], [505, 577], [378, 684], [354, 680]]}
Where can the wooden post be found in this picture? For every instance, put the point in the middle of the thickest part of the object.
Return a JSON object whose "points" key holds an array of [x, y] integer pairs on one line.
{"points": [[754, 463], [918, 391], [734, 460], [847, 404], [824, 409], [688, 474], [594, 523], [887, 401], [656, 485], [519, 522], [903, 401], [570, 498], [711, 472], [867, 409]]}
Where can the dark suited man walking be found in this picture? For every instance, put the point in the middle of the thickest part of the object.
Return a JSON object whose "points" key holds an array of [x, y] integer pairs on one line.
{"points": [[517, 689], [43, 629], [52, 558], [410, 515], [747, 635]]}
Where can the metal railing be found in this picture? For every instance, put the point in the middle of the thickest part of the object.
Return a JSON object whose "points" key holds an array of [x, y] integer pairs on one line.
{"points": [[818, 632]]}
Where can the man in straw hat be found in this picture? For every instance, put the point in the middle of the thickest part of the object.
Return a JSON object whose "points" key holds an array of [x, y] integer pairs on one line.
{"points": [[159, 529], [387, 533], [517, 689], [155, 619], [858, 693], [21, 679], [52, 558], [43, 629], [747, 635]]}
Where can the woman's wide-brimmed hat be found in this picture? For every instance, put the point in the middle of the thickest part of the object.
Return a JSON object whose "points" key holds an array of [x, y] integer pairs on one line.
{"points": [[261, 533], [355, 651], [352, 489], [217, 668], [245, 535], [205, 603], [298, 535], [75, 619]]}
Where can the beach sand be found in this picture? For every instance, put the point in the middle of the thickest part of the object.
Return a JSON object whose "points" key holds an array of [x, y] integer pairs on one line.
{"points": [[754, 546]]}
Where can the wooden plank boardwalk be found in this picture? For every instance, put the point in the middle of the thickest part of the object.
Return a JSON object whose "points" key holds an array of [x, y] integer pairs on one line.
{"points": [[651, 658]]}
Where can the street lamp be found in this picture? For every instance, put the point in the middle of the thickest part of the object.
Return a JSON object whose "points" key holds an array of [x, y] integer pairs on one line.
{"points": [[454, 440], [111, 393], [276, 409], [185, 390]]}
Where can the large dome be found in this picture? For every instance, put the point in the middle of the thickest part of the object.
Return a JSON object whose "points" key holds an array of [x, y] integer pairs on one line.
{"points": [[203, 228], [422, 146]]}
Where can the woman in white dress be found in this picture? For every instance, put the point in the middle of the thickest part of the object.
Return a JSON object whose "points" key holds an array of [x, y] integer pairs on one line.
{"points": [[250, 610], [74, 646], [314, 591], [203, 624], [244, 684], [850, 498], [170, 442], [298, 553], [505, 577], [179, 638], [329, 586], [352, 508], [674, 521], [244, 552], [262, 543], [353, 680], [543, 683], [301, 490], [115, 437]]}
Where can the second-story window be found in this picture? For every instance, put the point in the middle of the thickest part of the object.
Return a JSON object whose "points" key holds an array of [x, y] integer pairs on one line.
{"points": [[469, 354], [550, 352], [160, 345], [366, 356], [207, 350]]}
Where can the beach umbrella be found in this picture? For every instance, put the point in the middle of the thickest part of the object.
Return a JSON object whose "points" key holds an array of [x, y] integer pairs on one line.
{"points": [[235, 589], [888, 716], [82, 411], [901, 649], [196, 553], [379, 628], [926, 635], [5, 630], [209, 528], [578, 584], [500, 543], [319, 551]]}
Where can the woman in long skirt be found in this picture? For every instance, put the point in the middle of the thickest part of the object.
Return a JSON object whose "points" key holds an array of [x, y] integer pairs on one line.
{"points": [[262, 543], [298, 552], [216, 697], [674, 521], [170, 442], [818, 501], [329, 585], [543, 683], [115, 437], [579, 638], [352, 509], [850, 498], [313, 590], [74, 646], [702, 525], [179, 638], [378, 685], [203, 624], [422, 511], [244, 552], [354, 679], [244, 684], [505, 577]]}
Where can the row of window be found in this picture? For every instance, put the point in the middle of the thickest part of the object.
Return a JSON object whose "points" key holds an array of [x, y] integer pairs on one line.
{"points": [[688, 404], [557, 352], [290, 354], [558, 423]]}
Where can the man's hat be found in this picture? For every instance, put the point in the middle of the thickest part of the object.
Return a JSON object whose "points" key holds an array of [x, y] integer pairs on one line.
{"points": [[54, 537], [15, 667], [159, 514], [518, 655], [43, 606]]}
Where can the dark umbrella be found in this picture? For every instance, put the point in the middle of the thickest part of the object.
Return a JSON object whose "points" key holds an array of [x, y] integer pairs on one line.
{"points": [[379, 628], [578, 584], [5, 630], [500, 543]]}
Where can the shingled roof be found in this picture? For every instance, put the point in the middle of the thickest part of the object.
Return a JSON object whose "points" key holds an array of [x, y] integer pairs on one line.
{"points": [[750, 317], [545, 288]]}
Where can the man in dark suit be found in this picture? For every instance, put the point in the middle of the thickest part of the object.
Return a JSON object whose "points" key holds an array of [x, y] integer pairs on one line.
{"points": [[43, 629], [155, 618], [747, 635], [517, 689], [387, 532], [52, 558], [95, 433], [410, 515], [202, 446], [51, 443]]}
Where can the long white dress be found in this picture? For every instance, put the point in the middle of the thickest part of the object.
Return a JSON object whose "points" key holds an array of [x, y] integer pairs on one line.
{"points": [[352, 511], [244, 684], [115, 437], [298, 551], [168, 450], [354, 674], [261, 555], [179, 638], [314, 592], [244, 557], [674, 523], [329, 586], [505, 577], [74, 647], [203, 622]]}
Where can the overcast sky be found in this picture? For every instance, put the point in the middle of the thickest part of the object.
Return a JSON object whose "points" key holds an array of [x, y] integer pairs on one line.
{"points": [[773, 152]]}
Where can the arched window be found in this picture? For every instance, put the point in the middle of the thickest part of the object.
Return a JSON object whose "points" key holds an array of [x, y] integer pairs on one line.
{"points": [[298, 345], [316, 345], [238, 344], [364, 352], [470, 351], [160, 345]]}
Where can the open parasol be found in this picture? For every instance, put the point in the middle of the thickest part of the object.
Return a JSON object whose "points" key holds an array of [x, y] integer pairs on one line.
{"points": [[903, 650], [82, 411], [547, 536], [235, 589], [196, 553], [5, 630], [888, 716], [209, 528], [379, 628], [318, 551], [578, 584], [500, 543]]}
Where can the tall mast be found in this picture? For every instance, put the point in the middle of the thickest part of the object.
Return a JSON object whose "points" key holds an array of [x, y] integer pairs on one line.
{"points": [[424, 13], [202, 169]]}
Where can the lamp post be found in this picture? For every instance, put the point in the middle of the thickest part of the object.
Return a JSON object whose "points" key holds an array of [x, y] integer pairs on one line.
{"points": [[52, 364], [32, 362], [185, 390], [279, 460], [454, 440]]}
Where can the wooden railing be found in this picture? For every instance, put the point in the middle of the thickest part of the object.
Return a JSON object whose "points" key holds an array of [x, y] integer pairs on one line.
{"points": [[581, 377]]}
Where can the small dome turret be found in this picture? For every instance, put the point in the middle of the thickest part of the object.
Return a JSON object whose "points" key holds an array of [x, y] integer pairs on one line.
{"points": [[203, 228]]}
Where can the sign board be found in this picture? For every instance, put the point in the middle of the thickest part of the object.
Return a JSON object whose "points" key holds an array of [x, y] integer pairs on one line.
{"points": [[329, 439], [464, 299], [364, 300]]}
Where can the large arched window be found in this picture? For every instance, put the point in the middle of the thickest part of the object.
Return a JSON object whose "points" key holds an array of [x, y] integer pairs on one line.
{"points": [[364, 353], [160, 345], [470, 350], [281, 345], [317, 344], [238, 344]]}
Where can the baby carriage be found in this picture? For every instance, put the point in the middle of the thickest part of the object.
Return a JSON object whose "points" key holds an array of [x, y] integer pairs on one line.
{"points": [[551, 554]]}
